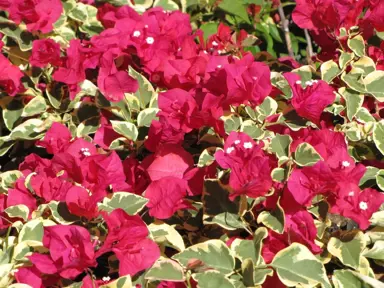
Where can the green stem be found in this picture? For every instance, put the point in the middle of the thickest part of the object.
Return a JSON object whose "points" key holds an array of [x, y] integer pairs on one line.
{"points": [[189, 280]]}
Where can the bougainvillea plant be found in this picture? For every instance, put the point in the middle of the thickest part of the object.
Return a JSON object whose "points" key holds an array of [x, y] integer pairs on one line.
{"points": [[191, 143]]}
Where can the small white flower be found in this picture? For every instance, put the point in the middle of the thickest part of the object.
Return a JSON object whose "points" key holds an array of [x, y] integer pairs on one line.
{"points": [[346, 164], [237, 142], [205, 52], [106, 279], [219, 66], [308, 83], [136, 33], [254, 78], [351, 193], [214, 43], [229, 150], [298, 82], [248, 145], [150, 40], [145, 26], [363, 205]]}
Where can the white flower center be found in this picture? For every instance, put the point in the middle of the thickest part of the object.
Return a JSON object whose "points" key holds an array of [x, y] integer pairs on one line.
{"points": [[85, 152], [346, 164], [351, 193], [106, 279], [150, 40], [237, 142], [219, 66], [229, 150], [248, 145], [214, 43], [136, 34], [363, 205], [298, 82], [310, 82]]}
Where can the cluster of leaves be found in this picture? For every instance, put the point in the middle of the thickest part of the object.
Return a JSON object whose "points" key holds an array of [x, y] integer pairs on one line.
{"points": [[191, 143]]}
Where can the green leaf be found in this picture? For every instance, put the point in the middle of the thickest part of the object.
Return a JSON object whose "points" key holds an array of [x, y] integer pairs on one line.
{"points": [[216, 199], [273, 219], [365, 65], [18, 211], [87, 88], [249, 127], [122, 282], [5, 144], [329, 70], [168, 5], [267, 108], [260, 275], [244, 249], [211, 279], [61, 213], [247, 269], [280, 145], [231, 123], [165, 270], [348, 250], [22, 37], [364, 116], [5, 275], [306, 155], [354, 101], [377, 219], [213, 253], [228, 221], [206, 158], [378, 136], [88, 126], [86, 14], [235, 7], [357, 45], [8, 178], [278, 175], [345, 279], [260, 234], [374, 84], [12, 113], [31, 129], [126, 129], [146, 116], [145, 92], [129, 202], [354, 81], [209, 28], [345, 58], [376, 252], [296, 265], [306, 72], [380, 179], [166, 235], [369, 178], [34, 107], [32, 230]]}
